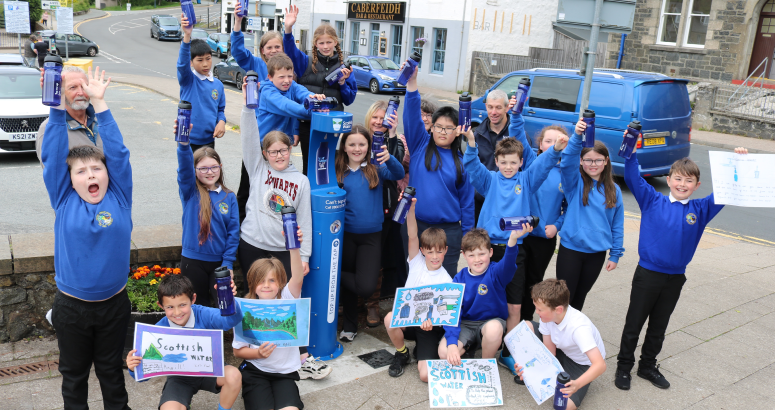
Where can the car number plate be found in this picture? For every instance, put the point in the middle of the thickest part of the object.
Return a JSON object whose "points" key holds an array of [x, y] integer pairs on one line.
{"points": [[648, 142], [22, 137]]}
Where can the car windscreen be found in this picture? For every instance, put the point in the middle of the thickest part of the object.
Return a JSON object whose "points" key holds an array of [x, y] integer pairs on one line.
{"points": [[14, 86], [665, 99], [223, 38], [198, 34], [383, 64], [168, 21]]}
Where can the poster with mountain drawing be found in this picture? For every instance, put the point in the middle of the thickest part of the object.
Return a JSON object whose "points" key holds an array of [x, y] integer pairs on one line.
{"points": [[284, 322], [170, 351]]}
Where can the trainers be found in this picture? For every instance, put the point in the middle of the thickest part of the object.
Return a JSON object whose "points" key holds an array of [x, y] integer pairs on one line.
{"points": [[622, 380], [507, 362], [653, 375], [347, 336], [399, 361], [314, 368]]}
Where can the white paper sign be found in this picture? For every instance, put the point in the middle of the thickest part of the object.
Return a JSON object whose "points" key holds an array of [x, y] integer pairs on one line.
{"points": [[65, 20], [17, 17], [49, 4], [475, 383], [254, 23], [540, 366], [743, 180]]}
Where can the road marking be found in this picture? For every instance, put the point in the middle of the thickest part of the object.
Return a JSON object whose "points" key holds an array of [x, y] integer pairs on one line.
{"points": [[84, 21], [721, 232]]}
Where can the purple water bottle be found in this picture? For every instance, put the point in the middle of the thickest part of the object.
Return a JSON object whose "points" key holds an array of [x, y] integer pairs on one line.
{"points": [[630, 140], [290, 227], [321, 164], [314, 104], [225, 295], [464, 112], [184, 122], [243, 8], [251, 89], [514, 223], [391, 109], [588, 140], [377, 141], [188, 9], [521, 93], [403, 205], [52, 80], [560, 401], [337, 74], [411, 64]]}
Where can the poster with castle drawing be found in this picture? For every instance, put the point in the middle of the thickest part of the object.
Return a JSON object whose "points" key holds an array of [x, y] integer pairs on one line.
{"points": [[284, 322], [439, 303], [170, 351], [541, 367]]}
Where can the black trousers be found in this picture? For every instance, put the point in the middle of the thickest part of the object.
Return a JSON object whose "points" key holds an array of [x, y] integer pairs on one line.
{"points": [[304, 130], [454, 239], [538, 254], [579, 270], [92, 332], [247, 254], [653, 297], [202, 276], [361, 258], [243, 193], [195, 147]]}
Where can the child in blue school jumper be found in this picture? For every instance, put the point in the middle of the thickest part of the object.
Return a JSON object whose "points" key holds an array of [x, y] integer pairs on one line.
{"points": [[363, 218], [201, 89], [176, 296], [670, 230], [595, 219]]}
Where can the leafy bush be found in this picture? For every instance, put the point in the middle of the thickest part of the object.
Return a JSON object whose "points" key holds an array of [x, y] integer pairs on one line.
{"points": [[142, 287]]}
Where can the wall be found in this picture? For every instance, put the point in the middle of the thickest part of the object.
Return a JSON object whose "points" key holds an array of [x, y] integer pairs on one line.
{"points": [[703, 117]]}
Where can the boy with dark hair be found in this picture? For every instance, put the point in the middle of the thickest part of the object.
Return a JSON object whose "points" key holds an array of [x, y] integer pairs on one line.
{"points": [[570, 336], [201, 89], [176, 296], [660, 275]]}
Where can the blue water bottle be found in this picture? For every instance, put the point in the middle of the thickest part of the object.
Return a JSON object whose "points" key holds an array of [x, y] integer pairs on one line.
{"points": [[52, 80], [521, 93], [321, 161], [630, 140], [514, 223], [243, 8], [251, 89], [404, 204], [184, 122], [328, 103], [411, 64], [290, 227], [188, 9], [464, 113], [560, 401], [392, 108], [588, 139], [225, 295], [337, 74], [377, 141]]}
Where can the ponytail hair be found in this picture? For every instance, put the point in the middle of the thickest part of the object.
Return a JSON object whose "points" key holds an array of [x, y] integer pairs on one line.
{"points": [[325, 30], [606, 179], [342, 160], [205, 206]]}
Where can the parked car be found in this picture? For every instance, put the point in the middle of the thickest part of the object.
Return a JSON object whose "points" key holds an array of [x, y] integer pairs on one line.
{"points": [[229, 71], [13, 60], [219, 44], [248, 43], [376, 73], [76, 44], [659, 102], [165, 27], [21, 109], [199, 33]]}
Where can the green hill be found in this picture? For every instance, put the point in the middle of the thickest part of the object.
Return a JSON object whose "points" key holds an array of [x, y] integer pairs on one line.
{"points": [[152, 353]]}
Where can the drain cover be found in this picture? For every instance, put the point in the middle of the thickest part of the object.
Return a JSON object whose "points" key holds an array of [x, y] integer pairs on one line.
{"points": [[377, 359]]}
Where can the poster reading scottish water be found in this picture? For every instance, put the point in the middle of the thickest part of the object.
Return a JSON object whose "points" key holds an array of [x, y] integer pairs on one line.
{"points": [[475, 383], [170, 351], [439, 303], [284, 322]]}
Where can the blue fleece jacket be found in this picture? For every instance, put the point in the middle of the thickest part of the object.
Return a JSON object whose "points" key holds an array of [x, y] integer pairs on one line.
{"points": [[485, 294], [669, 231], [592, 228], [279, 110], [224, 220], [440, 198], [207, 98], [363, 212], [91, 241]]}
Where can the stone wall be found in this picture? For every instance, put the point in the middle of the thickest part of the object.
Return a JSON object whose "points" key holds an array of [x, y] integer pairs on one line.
{"points": [[706, 118], [481, 78]]}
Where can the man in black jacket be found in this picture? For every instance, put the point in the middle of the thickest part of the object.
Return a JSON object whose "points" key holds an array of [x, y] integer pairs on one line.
{"points": [[488, 133]]}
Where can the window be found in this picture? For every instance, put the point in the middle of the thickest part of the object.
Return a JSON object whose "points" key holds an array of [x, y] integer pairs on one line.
{"points": [[363, 63], [397, 36], [325, 22], [383, 64], [417, 32], [355, 30], [340, 30], [439, 49], [669, 21], [553, 93], [607, 99], [697, 25], [509, 84]]}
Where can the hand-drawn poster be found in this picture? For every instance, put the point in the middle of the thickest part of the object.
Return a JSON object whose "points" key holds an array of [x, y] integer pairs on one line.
{"points": [[284, 322], [540, 366], [170, 351], [743, 180], [439, 303], [475, 383]]}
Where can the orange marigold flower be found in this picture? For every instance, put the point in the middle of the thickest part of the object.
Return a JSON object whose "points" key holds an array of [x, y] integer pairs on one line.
{"points": [[176, 271]]}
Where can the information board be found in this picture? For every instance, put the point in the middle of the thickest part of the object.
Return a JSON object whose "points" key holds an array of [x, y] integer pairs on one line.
{"points": [[65, 20], [17, 17]]}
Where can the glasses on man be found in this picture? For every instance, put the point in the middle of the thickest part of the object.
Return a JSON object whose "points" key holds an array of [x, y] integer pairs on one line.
{"points": [[448, 130], [426, 116], [588, 162], [205, 170], [283, 152]]}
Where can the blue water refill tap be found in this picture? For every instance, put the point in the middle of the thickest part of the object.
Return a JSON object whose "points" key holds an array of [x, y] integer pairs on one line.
{"points": [[321, 285]]}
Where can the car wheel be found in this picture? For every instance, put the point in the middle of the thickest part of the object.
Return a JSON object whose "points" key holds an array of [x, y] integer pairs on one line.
{"points": [[91, 51], [374, 86], [239, 81], [215, 73], [151, 33]]}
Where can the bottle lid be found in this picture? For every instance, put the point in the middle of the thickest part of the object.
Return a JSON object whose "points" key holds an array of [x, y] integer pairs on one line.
{"points": [[334, 100], [465, 97], [53, 58], [410, 190], [588, 114], [635, 124], [287, 209], [535, 221], [251, 73], [379, 134], [416, 56], [395, 98], [347, 65], [563, 378], [222, 272], [525, 81], [184, 105]]}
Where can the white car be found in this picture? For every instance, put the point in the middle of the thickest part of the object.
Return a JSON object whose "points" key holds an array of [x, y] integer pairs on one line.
{"points": [[21, 109]]}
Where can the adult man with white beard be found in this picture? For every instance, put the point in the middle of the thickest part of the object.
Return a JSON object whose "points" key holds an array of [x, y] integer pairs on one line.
{"points": [[81, 121]]}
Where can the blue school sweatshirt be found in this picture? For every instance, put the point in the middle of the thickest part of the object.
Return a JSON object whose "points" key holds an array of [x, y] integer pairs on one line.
{"points": [[279, 110], [592, 228], [505, 197], [363, 212], [224, 220], [207, 98], [485, 295], [246, 60], [440, 199], [91, 241], [669, 231]]}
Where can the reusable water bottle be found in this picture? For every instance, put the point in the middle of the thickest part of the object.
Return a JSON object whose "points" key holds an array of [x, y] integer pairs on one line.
{"points": [[630, 140], [589, 134], [52, 80], [391, 109], [403, 205], [560, 401], [290, 227], [188, 10], [411, 64], [337, 74], [377, 141], [251, 89], [321, 167], [521, 93], [514, 223], [225, 296], [184, 122], [464, 112], [328, 103], [243, 8]]}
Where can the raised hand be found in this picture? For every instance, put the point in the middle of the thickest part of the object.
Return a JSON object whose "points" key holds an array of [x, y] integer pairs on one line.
{"points": [[345, 74], [187, 29], [237, 18], [383, 156], [580, 127], [561, 143], [96, 86], [291, 13]]}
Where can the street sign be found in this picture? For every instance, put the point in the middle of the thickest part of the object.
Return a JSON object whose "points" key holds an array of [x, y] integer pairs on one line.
{"points": [[17, 17], [574, 17], [254, 23], [49, 4], [65, 20]]}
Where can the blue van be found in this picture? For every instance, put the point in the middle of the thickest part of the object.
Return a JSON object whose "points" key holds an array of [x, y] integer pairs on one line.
{"points": [[659, 102]]}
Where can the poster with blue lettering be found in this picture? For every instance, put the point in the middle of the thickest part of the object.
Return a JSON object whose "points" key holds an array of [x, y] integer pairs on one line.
{"points": [[475, 383], [439, 303], [541, 367], [284, 322], [168, 351]]}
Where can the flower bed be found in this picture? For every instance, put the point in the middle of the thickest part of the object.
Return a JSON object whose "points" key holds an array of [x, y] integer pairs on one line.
{"points": [[142, 287]]}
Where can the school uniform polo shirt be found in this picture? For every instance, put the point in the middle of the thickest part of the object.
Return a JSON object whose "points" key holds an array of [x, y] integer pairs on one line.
{"points": [[575, 336]]}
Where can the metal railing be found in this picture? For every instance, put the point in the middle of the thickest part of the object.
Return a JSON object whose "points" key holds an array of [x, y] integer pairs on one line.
{"points": [[11, 39], [505, 63], [756, 103]]}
